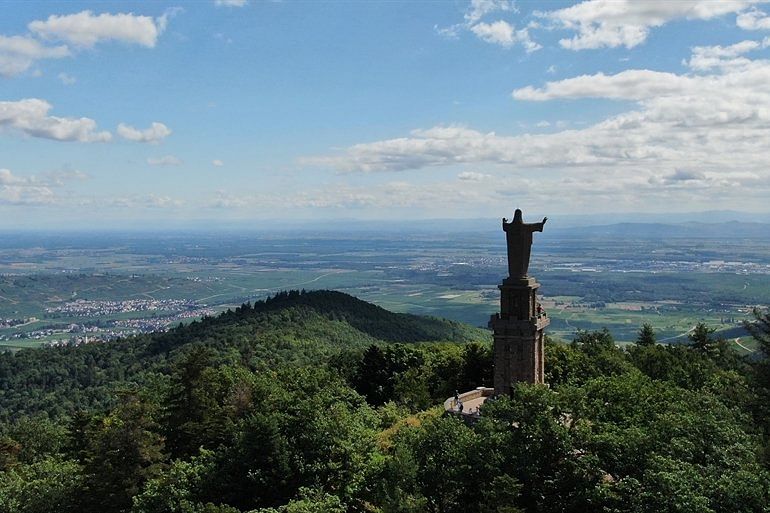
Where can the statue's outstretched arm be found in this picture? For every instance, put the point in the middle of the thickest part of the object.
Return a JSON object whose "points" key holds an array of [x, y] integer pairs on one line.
{"points": [[536, 227]]}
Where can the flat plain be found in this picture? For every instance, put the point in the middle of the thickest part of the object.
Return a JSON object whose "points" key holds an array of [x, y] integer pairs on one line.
{"points": [[78, 286]]}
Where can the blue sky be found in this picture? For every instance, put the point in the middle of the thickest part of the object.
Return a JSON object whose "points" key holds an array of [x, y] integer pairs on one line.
{"points": [[115, 113]]}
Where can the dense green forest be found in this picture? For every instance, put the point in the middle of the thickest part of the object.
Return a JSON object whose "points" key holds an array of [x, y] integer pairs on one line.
{"points": [[319, 402]]}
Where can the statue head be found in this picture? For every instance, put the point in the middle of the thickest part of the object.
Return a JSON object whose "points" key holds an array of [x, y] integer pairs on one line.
{"points": [[517, 217]]}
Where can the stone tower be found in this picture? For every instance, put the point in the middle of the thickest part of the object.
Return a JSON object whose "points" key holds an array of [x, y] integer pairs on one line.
{"points": [[518, 328]]}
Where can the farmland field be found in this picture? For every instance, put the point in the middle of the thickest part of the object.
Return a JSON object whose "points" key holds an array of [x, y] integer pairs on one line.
{"points": [[67, 287]]}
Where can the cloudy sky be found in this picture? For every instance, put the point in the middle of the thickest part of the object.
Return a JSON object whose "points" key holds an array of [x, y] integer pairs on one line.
{"points": [[128, 112]]}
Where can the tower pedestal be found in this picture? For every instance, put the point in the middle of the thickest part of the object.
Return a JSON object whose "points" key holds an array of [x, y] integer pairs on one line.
{"points": [[518, 335]]}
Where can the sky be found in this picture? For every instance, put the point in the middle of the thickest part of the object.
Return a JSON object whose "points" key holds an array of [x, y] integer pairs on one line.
{"points": [[134, 113]]}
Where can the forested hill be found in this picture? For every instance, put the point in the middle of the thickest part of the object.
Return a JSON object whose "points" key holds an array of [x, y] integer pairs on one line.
{"points": [[371, 319], [297, 405], [290, 328]]}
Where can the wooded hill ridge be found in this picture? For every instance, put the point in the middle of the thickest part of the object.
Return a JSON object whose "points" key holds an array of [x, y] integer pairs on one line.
{"points": [[293, 327], [320, 402]]}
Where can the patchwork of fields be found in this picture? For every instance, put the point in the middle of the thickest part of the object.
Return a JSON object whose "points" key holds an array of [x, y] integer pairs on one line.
{"points": [[58, 289]]}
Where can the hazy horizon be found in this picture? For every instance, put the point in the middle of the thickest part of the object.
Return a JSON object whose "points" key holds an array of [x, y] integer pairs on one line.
{"points": [[557, 222]]}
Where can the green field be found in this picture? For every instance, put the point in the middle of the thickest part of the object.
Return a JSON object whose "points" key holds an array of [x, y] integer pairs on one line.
{"points": [[586, 285]]}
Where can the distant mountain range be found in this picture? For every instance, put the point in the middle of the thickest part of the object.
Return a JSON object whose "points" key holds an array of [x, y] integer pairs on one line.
{"points": [[447, 225], [735, 229], [709, 224]]}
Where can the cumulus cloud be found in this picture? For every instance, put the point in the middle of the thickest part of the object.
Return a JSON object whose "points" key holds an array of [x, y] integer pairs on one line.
{"points": [[61, 177], [472, 176], [594, 189], [34, 190], [85, 29], [457, 144], [66, 78], [30, 116], [499, 32], [480, 8], [217, 163], [389, 195], [230, 3], [139, 201], [8, 178], [708, 131], [225, 200], [19, 53], [49, 179], [627, 85], [613, 23], [705, 58], [154, 134], [502, 33], [18, 195], [753, 20], [156, 201], [77, 31], [165, 160]]}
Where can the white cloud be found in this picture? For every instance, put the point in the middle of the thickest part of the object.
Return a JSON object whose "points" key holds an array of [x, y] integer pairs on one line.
{"points": [[85, 29], [217, 163], [165, 160], [81, 30], [50, 179], [19, 53], [154, 134], [753, 20], [34, 190], [8, 178], [137, 201], [627, 85], [387, 196], [480, 8], [17, 195], [230, 3], [66, 79], [456, 144], [498, 32], [226, 200], [61, 177], [613, 23], [707, 132], [502, 33], [155, 201], [30, 116], [472, 176], [706, 58]]}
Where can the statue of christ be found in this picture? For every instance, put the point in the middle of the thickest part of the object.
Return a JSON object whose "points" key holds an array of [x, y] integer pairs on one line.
{"points": [[518, 235]]}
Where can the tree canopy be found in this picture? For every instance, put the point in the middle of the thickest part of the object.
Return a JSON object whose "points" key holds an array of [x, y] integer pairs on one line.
{"points": [[293, 405]]}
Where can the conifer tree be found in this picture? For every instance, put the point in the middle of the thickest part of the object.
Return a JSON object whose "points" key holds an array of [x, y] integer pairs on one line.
{"points": [[701, 340], [760, 330], [646, 336]]}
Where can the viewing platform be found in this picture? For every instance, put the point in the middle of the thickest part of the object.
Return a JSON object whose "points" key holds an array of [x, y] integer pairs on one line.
{"points": [[468, 403]]}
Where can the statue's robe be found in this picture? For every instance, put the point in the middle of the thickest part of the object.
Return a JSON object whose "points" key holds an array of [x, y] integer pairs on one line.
{"points": [[519, 238]]}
